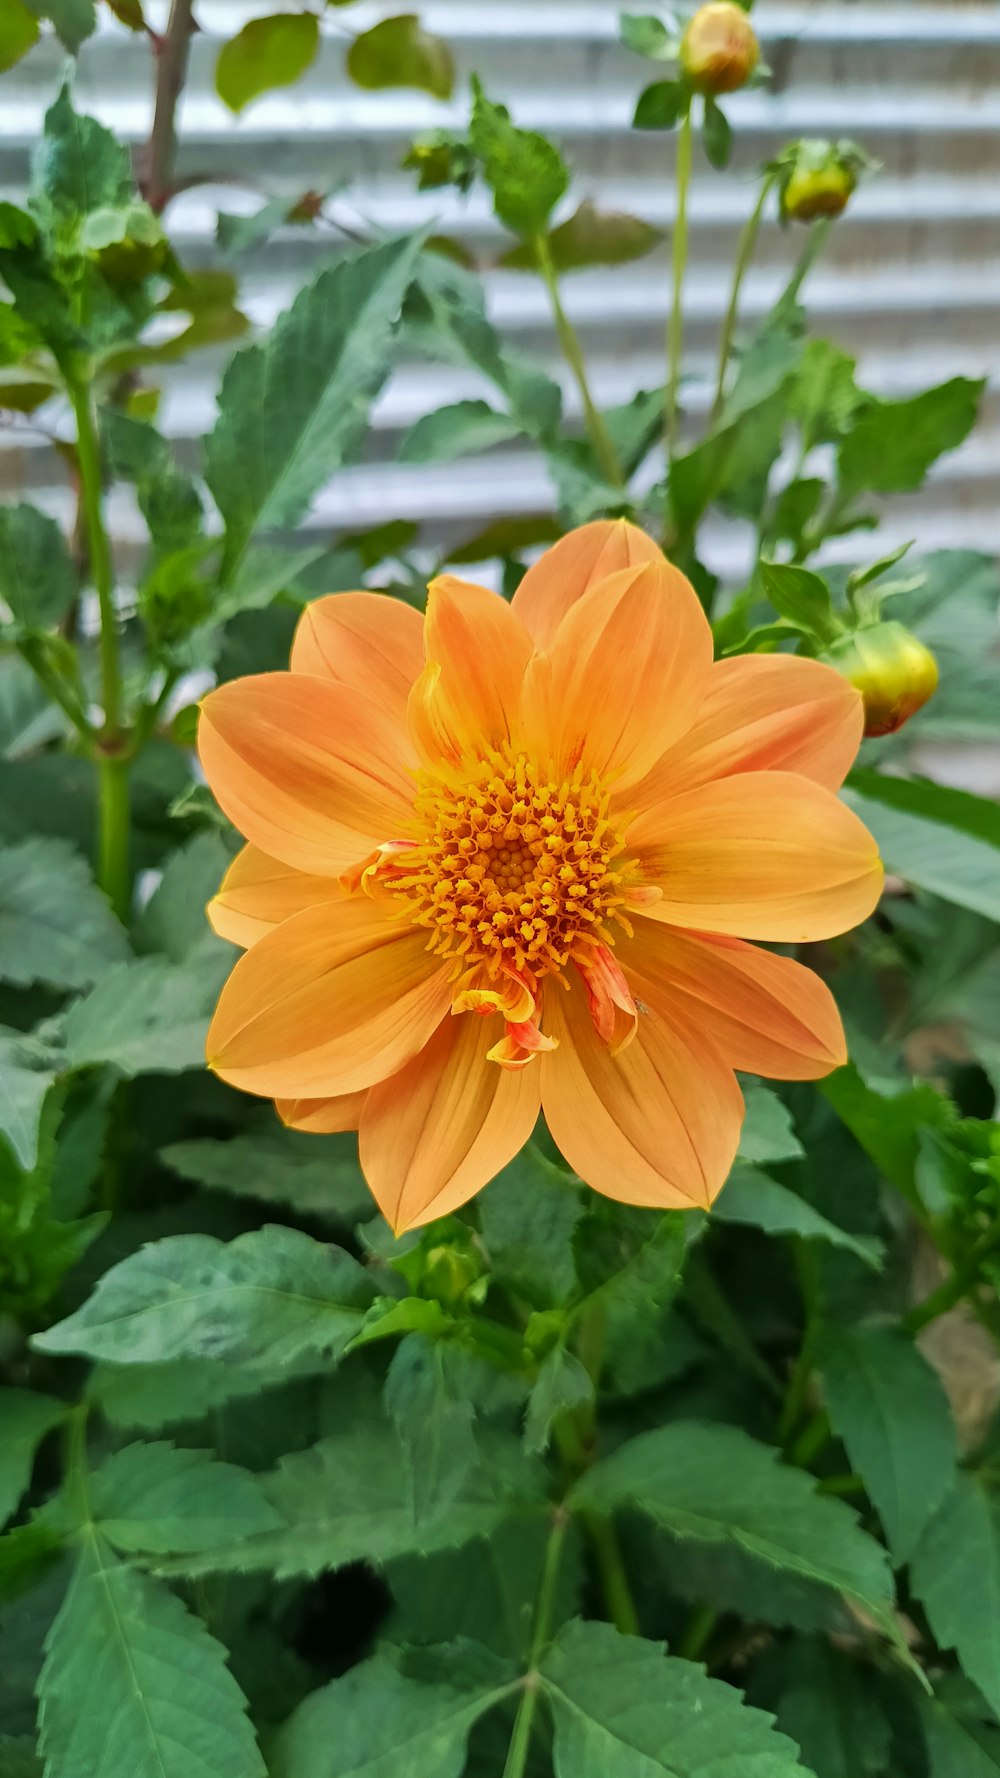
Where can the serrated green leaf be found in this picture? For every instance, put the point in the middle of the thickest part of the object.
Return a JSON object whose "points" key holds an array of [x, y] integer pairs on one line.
{"points": [[27, 1553], [79, 166], [524, 170], [754, 1198], [27, 1070], [399, 52], [715, 1484], [647, 35], [25, 1418], [174, 920], [955, 1573], [660, 106], [37, 580], [590, 237], [484, 1590], [527, 1219], [827, 1702], [891, 447], [267, 53], [800, 596], [379, 1722], [956, 1748], [824, 396], [147, 1397], [434, 1421], [265, 1300], [716, 134], [150, 1016], [316, 1175], [890, 1410], [767, 1135], [624, 1711], [460, 430], [18, 33], [159, 1500], [930, 853], [562, 1384], [55, 925], [291, 407], [74, 20], [134, 1687]]}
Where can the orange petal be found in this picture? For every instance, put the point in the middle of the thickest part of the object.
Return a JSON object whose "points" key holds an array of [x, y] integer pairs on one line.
{"points": [[573, 565], [658, 1124], [258, 892], [322, 1117], [766, 1014], [311, 772], [625, 676], [368, 640], [609, 998], [764, 712], [468, 698], [336, 998], [440, 1129], [762, 855]]}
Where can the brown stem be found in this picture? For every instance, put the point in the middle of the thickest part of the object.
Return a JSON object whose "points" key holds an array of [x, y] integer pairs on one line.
{"points": [[171, 50]]}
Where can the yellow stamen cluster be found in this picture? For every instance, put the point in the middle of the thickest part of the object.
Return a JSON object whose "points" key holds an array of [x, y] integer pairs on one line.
{"points": [[513, 868]]}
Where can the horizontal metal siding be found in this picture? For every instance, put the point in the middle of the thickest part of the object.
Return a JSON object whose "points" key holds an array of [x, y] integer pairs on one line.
{"points": [[911, 283]]}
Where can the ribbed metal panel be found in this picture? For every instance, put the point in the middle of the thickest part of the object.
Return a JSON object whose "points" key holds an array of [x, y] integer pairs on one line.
{"points": [[911, 283]]}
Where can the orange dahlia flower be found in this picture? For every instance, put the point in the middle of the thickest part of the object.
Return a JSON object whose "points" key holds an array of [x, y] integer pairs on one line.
{"points": [[505, 858]]}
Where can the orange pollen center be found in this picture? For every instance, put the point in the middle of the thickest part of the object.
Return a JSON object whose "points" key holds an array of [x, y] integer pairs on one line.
{"points": [[513, 868]]}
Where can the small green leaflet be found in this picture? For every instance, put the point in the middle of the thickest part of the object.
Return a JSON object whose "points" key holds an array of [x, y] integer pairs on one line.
{"points": [[525, 171], [79, 166], [434, 1419], [160, 1500], [150, 1016], [27, 1070], [890, 448], [827, 1702], [267, 53], [767, 1135], [755, 1199], [55, 924], [461, 430], [562, 1385], [955, 1572], [590, 237], [37, 579], [399, 52], [317, 1175], [527, 1218], [25, 1418]]}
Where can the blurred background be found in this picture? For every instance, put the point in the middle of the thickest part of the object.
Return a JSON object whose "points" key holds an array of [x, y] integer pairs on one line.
{"points": [[910, 282]]}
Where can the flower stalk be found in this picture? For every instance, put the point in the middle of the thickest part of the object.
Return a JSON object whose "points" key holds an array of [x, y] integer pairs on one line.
{"points": [[675, 322], [600, 437], [744, 255]]}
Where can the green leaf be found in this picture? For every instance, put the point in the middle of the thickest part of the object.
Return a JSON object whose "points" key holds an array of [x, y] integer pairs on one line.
{"points": [[399, 52], [269, 1298], [173, 920], [956, 1748], [624, 1711], [25, 1418], [159, 1500], [824, 396], [800, 596], [148, 1017], [889, 1408], [18, 32], [590, 237], [661, 106], [79, 166], [527, 1219], [27, 1070], [147, 1397], [267, 53], [460, 430], [18, 1758], [715, 1484], [975, 815], [483, 1591], [37, 579], [434, 1422], [349, 1499], [74, 20], [827, 1702], [314, 1175], [754, 1198], [716, 134], [292, 407], [955, 1572], [379, 1722], [767, 1135], [55, 924], [133, 1684], [887, 1125], [647, 35], [931, 853], [562, 1385], [525, 171], [891, 447]]}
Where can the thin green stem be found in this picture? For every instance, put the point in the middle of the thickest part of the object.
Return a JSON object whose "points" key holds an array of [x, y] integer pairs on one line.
{"points": [[815, 242], [614, 1578], [815, 1434], [600, 437], [699, 1628], [32, 652], [745, 253], [520, 1741], [949, 1294], [113, 834], [675, 320]]}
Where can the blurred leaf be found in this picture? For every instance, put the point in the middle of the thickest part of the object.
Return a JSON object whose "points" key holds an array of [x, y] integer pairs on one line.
{"points": [[590, 237], [132, 1683], [767, 1135], [824, 397], [505, 537], [955, 1573], [716, 134], [73, 20], [55, 924], [525, 171], [37, 578], [886, 1124], [159, 1500], [314, 1175], [661, 106], [79, 166], [891, 447], [267, 53], [173, 920], [25, 1418], [292, 407], [800, 596], [624, 1711], [563, 1385], [827, 1702], [956, 1748], [461, 430], [754, 1198], [150, 1016], [527, 1219], [399, 52], [434, 1420], [647, 35], [888, 1407], [18, 32], [264, 1300], [27, 1070], [922, 843]]}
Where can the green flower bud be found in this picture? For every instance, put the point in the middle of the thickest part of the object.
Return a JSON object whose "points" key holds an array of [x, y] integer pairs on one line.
{"points": [[719, 49], [817, 179], [892, 670]]}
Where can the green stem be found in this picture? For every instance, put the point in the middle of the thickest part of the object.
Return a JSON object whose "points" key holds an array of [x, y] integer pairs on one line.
{"points": [[699, 1628], [675, 321], [815, 242], [600, 437], [520, 1741], [949, 1294], [814, 1435], [113, 837], [614, 1579], [745, 253], [70, 704]]}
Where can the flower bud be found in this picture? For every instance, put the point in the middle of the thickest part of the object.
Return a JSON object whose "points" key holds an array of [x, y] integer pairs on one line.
{"points": [[719, 49], [818, 179], [892, 670]]}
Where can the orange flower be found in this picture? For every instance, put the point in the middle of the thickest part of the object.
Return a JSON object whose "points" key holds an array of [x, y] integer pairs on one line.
{"points": [[505, 859]]}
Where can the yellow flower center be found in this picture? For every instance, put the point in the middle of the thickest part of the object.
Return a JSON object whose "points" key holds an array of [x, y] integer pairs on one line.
{"points": [[513, 868]]}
